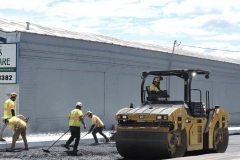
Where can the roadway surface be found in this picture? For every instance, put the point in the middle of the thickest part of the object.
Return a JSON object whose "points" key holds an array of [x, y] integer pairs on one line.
{"points": [[232, 152], [104, 152]]}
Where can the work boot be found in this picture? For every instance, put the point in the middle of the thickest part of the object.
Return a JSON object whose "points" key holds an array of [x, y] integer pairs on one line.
{"points": [[96, 143], [25, 149], [10, 149], [1, 139], [64, 145]]}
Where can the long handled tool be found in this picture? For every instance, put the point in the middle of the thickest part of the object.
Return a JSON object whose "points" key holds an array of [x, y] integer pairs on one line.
{"points": [[47, 150], [84, 135], [71, 145]]}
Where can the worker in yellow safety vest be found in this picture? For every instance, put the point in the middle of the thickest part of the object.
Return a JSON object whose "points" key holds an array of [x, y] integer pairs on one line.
{"points": [[9, 111], [97, 126], [155, 86], [74, 121], [19, 127]]}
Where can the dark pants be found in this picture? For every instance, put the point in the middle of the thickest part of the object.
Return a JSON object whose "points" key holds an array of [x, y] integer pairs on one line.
{"points": [[98, 130], [75, 134]]}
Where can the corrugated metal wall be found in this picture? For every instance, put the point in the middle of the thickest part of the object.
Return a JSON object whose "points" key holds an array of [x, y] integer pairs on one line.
{"points": [[56, 72]]}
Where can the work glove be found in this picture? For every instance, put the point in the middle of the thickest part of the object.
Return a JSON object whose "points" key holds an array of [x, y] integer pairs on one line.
{"points": [[26, 120], [13, 112]]}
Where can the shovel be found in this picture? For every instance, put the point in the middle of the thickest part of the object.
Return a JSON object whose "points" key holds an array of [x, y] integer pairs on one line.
{"points": [[47, 150]]}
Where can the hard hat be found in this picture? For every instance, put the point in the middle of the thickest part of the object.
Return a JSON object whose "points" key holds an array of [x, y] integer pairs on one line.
{"points": [[4, 119], [79, 104], [13, 94], [157, 79], [88, 113]]}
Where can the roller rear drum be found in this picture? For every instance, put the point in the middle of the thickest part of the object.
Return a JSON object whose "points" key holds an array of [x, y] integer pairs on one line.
{"points": [[151, 144]]}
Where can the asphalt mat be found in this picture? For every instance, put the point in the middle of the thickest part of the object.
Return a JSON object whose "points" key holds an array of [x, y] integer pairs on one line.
{"points": [[10, 150], [100, 143], [47, 139], [72, 153], [15, 150]]}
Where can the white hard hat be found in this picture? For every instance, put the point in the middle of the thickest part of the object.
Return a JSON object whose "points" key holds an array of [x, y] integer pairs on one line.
{"points": [[88, 113], [79, 104]]}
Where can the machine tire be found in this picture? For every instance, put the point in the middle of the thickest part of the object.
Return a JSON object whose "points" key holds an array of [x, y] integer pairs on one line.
{"points": [[220, 139], [178, 150]]}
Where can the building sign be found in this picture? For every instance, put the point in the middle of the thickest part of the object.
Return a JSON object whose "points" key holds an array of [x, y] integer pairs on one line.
{"points": [[8, 62]]}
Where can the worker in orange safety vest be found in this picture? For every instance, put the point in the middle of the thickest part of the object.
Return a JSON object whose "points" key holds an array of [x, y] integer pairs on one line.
{"points": [[74, 121], [19, 127], [9, 111], [97, 127]]}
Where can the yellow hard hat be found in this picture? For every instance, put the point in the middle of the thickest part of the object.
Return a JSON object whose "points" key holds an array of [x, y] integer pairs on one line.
{"points": [[157, 79], [13, 94], [4, 119], [88, 113]]}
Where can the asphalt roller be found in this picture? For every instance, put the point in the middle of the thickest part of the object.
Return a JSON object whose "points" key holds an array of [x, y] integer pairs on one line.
{"points": [[160, 128]]}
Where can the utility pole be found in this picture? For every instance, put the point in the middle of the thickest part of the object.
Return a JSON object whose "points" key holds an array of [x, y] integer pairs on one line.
{"points": [[170, 61], [170, 65]]}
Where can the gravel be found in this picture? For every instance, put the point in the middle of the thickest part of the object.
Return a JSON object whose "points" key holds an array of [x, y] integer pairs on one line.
{"points": [[105, 151]]}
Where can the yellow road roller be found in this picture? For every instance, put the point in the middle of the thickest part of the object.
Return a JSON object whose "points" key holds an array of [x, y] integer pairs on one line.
{"points": [[164, 128]]}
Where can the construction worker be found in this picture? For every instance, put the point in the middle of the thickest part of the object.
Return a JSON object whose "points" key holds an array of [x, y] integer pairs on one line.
{"points": [[97, 126], [9, 111], [19, 127], [155, 86], [74, 121]]}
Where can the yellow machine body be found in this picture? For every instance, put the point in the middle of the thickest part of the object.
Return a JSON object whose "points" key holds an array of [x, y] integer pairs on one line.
{"points": [[169, 129]]}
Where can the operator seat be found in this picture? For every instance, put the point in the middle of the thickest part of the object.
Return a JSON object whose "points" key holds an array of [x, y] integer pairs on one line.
{"points": [[161, 95]]}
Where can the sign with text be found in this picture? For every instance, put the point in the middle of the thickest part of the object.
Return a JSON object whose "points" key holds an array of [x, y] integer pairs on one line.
{"points": [[8, 62]]}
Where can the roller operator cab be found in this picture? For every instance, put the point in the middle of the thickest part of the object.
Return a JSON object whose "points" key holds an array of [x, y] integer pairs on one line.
{"points": [[164, 128]]}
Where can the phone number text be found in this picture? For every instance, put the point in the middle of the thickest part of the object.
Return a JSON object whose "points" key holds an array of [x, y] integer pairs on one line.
{"points": [[6, 77]]}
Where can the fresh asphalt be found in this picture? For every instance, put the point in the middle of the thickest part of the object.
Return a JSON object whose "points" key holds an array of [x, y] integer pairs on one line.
{"points": [[46, 140]]}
